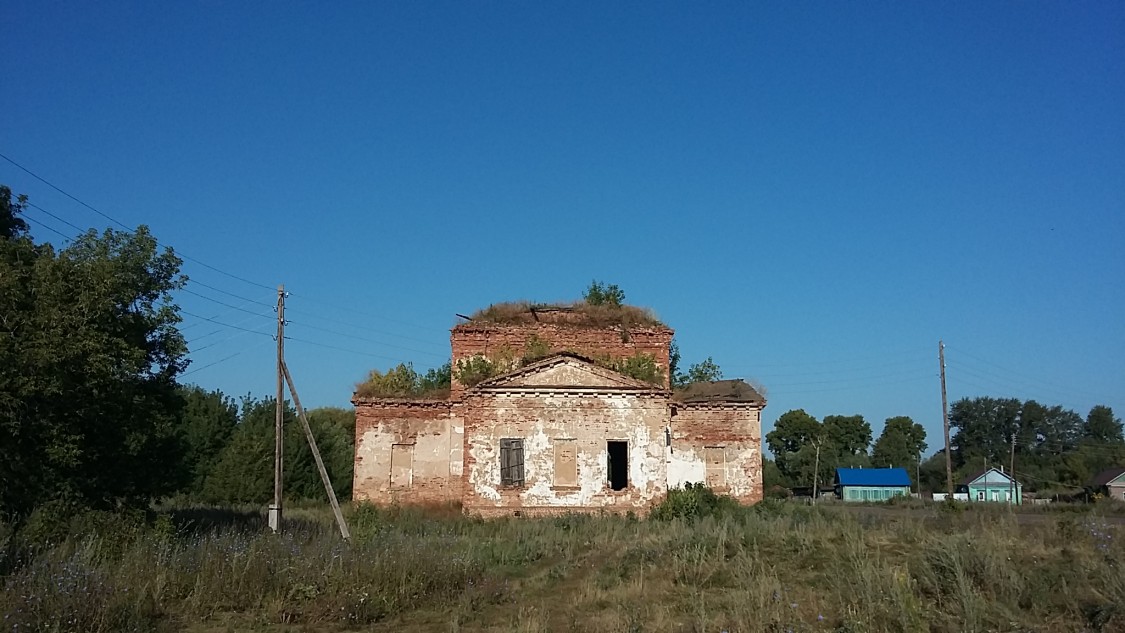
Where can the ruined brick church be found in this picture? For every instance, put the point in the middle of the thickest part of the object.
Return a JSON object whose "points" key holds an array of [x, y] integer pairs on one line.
{"points": [[563, 430]]}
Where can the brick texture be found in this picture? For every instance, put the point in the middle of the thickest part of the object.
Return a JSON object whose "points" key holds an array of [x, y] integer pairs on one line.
{"points": [[470, 339]]}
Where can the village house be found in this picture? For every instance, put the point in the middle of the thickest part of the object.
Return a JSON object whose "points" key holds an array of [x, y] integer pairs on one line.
{"points": [[556, 409], [991, 484], [1110, 482], [871, 484]]}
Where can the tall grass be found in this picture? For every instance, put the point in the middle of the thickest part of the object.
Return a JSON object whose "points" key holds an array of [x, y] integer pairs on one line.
{"points": [[775, 567]]}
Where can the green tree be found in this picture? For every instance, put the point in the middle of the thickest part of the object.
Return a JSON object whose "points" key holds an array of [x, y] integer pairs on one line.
{"points": [[674, 373], [434, 380], [847, 438], [1102, 427], [984, 429], [900, 444], [208, 421], [12, 226], [243, 473], [792, 442], [599, 294], [89, 354], [706, 371]]}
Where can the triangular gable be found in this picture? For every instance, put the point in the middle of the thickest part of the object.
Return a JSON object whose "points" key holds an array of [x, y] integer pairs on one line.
{"points": [[565, 371], [990, 476]]}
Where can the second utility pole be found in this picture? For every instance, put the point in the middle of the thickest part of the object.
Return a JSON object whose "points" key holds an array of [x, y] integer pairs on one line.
{"points": [[945, 422], [279, 423]]}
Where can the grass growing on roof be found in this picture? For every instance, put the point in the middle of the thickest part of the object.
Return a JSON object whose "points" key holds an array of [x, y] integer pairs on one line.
{"points": [[576, 313]]}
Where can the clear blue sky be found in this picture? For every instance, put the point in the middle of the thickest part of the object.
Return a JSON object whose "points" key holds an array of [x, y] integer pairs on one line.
{"points": [[811, 193]]}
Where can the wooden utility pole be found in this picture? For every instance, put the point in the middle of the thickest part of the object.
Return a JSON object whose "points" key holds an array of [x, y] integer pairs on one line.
{"points": [[274, 518], [316, 455], [816, 473], [1012, 474], [945, 422]]}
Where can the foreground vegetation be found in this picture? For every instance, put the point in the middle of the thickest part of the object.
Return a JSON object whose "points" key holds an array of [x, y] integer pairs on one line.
{"points": [[702, 565]]}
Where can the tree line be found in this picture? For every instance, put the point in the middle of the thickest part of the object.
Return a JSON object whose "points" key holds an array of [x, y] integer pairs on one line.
{"points": [[1053, 448], [92, 412]]}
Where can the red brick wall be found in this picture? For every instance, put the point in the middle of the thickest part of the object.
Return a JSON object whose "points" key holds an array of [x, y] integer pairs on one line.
{"points": [[470, 339], [734, 426]]}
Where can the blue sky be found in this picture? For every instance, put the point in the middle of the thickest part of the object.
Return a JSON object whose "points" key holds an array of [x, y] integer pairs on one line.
{"points": [[811, 193]]}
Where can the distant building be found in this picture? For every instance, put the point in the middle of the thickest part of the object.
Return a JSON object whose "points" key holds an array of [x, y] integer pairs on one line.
{"points": [[1110, 482], [991, 484], [561, 428], [871, 484]]}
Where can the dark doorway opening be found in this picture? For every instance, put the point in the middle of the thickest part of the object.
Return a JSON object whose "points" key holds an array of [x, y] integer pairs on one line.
{"points": [[618, 464]]}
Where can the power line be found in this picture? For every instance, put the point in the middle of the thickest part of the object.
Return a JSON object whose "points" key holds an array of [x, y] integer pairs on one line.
{"points": [[231, 294], [343, 349], [226, 324], [221, 360], [223, 303], [346, 308], [125, 226], [369, 340], [365, 328], [1046, 385]]}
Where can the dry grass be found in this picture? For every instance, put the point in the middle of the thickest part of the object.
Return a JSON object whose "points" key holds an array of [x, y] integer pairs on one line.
{"points": [[576, 314], [777, 567]]}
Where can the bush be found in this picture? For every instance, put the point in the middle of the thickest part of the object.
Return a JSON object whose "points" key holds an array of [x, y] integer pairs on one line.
{"points": [[403, 382], [694, 502]]}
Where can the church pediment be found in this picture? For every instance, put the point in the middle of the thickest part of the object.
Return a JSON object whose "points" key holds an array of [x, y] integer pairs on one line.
{"points": [[565, 371]]}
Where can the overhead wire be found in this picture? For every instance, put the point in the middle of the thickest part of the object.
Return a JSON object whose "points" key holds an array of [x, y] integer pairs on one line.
{"points": [[362, 338], [123, 225]]}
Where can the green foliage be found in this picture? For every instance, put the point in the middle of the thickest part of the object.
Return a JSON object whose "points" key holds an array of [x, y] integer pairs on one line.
{"points": [[89, 354], [674, 364], [476, 369], [778, 566], [792, 443], [1054, 446], [693, 502], [599, 294], [846, 438], [706, 371], [900, 444], [639, 366], [12, 226], [535, 349], [402, 381], [243, 471], [206, 425], [1103, 427]]}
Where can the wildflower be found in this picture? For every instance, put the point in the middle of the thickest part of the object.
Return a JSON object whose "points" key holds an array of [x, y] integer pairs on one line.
{"points": [[820, 618]]}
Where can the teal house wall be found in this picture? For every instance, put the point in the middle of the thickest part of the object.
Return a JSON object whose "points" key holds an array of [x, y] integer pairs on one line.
{"points": [[992, 485], [871, 484], [873, 493]]}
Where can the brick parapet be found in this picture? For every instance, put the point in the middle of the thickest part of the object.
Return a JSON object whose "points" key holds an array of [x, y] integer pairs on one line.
{"points": [[472, 339]]}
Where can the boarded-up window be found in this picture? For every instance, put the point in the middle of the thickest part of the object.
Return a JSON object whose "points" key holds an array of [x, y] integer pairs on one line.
{"points": [[716, 457], [402, 465], [566, 463], [511, 462]]}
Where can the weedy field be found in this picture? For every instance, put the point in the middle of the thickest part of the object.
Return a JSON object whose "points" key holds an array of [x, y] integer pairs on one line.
{"points": [[700, 565]]}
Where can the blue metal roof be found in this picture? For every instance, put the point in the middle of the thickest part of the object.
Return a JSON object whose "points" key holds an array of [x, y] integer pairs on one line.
{"points": [[872, 477]]}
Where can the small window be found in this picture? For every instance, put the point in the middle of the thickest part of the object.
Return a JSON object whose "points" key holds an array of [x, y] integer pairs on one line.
{"points": [[980, 496], [511, 462], [618, 466]]}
